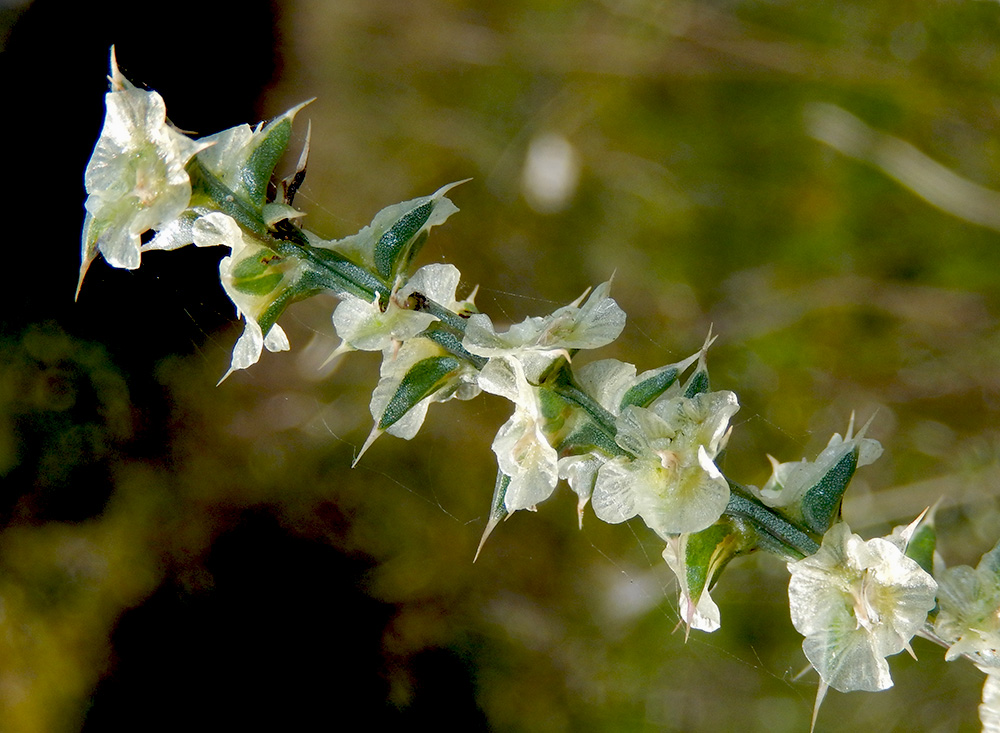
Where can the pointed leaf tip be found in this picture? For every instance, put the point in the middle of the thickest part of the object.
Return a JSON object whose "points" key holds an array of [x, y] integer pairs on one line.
{"points": [[372, 436], [498, 509], [343, 348], [490, 526], [820, 695], [225, 376]]}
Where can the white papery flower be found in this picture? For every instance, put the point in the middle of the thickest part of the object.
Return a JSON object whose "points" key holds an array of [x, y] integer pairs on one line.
{"points": [[365, 326], [136, 178], [858, 602], [523, 452], [969, 613], [672, 482], [254, 278], [537, 341]]}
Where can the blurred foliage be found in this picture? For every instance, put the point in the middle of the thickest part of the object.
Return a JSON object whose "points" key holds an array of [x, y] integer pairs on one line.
{"points": [[267, 581]]}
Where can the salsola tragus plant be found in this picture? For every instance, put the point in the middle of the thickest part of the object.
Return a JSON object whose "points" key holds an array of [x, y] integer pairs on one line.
{"points": [[627, 443]]}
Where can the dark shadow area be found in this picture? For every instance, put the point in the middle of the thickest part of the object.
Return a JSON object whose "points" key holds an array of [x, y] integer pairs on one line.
{"points": [[285, 639]]}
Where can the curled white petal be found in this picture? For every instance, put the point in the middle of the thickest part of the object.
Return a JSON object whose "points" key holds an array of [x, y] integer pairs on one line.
{"points": [[523, 452], [580, 473], [700, 613], [989, 709], [537, 341], [436, 281], [857, 602]]}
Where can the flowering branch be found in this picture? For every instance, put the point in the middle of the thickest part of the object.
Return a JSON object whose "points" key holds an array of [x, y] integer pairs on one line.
{"points": [[630, 444]]}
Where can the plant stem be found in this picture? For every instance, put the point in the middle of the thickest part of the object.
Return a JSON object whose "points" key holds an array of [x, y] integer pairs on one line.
{"points": [[792, 538], [332, 271], [339, 275], [566, 387], [447, 316]]}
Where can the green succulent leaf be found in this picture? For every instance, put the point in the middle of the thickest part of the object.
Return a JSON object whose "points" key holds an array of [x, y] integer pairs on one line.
{"points": [[922, 545], [392, 240], [453, 343], [498, 509], [401, 239], [702, 551], [332, 271], [254, 276], [423, 379], [643, 394], [296, 291], [586, 438], [697, 384], [789, 540], [698, 560], [265, 156], [821, 503]]}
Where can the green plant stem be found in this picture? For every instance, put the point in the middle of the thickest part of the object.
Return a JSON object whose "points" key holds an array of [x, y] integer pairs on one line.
{"points": [[794, 541], [453, 345], [339, 275], [332, 271], [447, 316], [567, 388]]}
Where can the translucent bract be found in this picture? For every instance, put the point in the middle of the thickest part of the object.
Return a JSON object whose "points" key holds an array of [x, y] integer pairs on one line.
{"points": [[365, 326], [521, 446], [857, 602], [790, 480], [969, 614], [136, 178], [539, 340], [672, 482], [254, 280], [700, 612]]}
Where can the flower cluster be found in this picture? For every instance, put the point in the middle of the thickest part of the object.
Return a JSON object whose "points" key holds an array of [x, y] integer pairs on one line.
{"points": [[415, 371], [648, 445], [811, 491], [669, 477], [527, 445], [140, 178]]}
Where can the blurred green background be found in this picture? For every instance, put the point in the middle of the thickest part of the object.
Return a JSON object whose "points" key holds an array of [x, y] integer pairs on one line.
{"points": [[178, 554]]}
